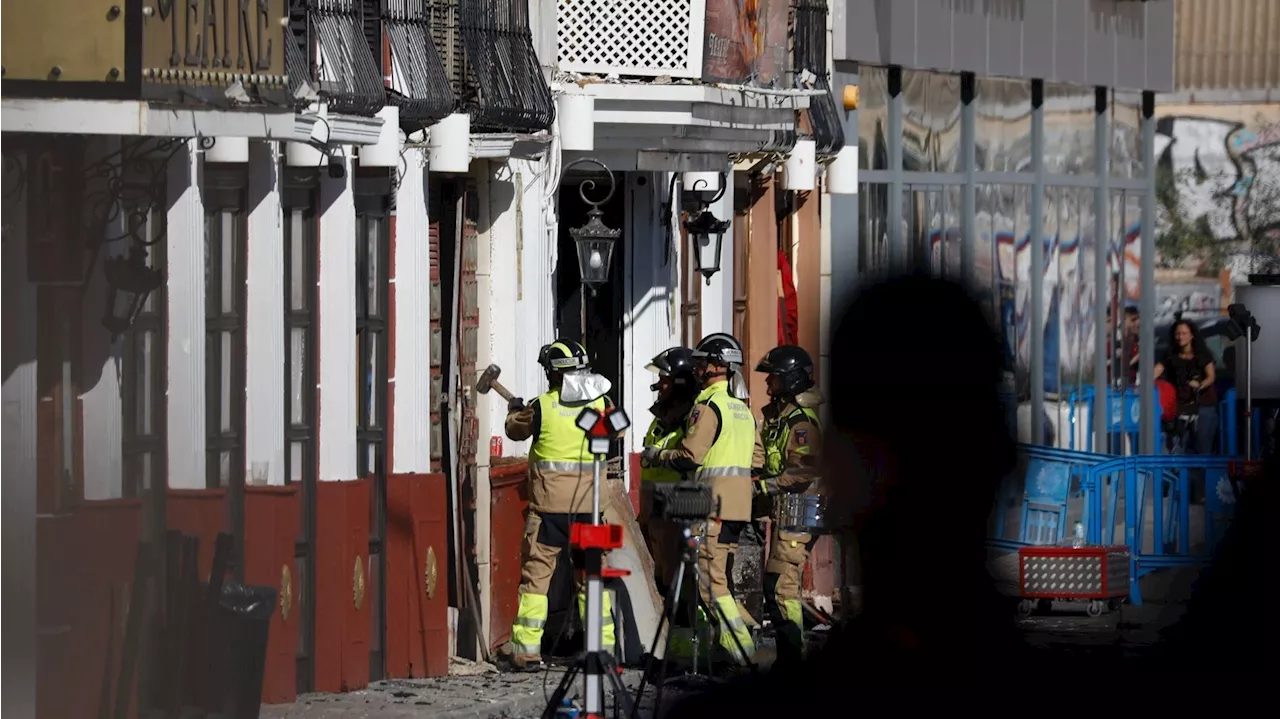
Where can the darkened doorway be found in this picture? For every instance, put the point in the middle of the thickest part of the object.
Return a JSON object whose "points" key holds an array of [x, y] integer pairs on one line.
{"points": [[596, 322]]}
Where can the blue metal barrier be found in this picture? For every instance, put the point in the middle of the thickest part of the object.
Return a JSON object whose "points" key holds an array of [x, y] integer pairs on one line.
{"points": [[1123, 418], [1159, 485]]}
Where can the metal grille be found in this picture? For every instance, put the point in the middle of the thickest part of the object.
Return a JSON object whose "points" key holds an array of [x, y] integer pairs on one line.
{"points": [[345, 70], [643, 38], [419, 82], [810, 38], [510, 92], [1069, 575]]}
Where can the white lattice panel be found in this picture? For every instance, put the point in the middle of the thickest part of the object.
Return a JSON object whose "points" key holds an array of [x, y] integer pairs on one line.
{"points": [[638, 38]]}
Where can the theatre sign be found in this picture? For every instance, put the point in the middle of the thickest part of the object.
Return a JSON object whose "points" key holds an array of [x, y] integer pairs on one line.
{"points": [[212, 54]]}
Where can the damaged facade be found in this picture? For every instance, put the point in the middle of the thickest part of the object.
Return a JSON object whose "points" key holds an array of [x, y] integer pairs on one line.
{"points": [[253, 263]]}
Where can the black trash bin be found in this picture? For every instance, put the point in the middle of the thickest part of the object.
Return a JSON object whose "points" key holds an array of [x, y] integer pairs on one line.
{"points": [[238, 638]]}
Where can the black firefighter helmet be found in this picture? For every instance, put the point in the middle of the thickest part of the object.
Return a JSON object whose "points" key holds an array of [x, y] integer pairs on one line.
{"points": [[563, 356], [792, 366], [719, 348], [676, 363]]}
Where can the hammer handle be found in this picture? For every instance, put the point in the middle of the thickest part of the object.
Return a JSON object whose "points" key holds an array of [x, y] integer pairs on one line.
{"points": [[496, 386]]}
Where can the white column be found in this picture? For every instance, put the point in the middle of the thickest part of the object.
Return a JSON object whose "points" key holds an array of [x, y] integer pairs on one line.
{"points": [[534, 316], [264, 321], [412, 281], [501, 277], [649, 325], [184, 247], [717, 298], [19, 449], [99, 360], [337, 436]]}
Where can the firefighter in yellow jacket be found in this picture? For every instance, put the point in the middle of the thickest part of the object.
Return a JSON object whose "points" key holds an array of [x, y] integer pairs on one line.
{"points": [[559, 488], [717, 446], [676, 388], [787, 454]]}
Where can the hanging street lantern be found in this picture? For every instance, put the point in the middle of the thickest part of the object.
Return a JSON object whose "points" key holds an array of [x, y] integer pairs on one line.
{"points": [[706, 234], [706, 231], [129, 281], [595, 240]]}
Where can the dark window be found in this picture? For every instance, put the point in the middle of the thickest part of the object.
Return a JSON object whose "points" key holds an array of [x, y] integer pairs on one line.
{"points": [[143, 372], [372, 189], [224, 282], [299, 199], [299, 338], [372, 239]]}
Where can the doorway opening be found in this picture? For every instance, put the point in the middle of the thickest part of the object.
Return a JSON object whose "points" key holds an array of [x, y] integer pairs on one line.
{"points": [[595, 321]]}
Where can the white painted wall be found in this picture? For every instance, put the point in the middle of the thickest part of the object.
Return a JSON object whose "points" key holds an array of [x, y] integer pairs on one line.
{"points": [[521, 312], [264, 320], [19, 448], [652, 321], [717, 298], [337, 323], [184, 247], [412, 281], [100, 360]]}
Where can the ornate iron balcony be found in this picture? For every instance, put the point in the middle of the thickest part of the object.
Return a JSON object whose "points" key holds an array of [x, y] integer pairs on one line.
{"points": [[810, 54], [487, 50], [329, 57], [419, 83]]}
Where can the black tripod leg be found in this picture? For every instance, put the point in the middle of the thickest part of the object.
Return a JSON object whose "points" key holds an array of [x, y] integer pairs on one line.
{"points": [[670, 605], [562, 690], [621, 697]]}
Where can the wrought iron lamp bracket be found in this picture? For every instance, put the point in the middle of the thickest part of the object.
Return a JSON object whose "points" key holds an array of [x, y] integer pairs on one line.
{"points": [[130, 180], [670, 203]]}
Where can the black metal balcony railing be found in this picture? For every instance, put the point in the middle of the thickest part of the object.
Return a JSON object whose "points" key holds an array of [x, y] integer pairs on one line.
{"points": [[330, 53], [810, 28], [419, 83], [487, 51]]}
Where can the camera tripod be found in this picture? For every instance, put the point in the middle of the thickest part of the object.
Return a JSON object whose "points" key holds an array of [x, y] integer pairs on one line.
{"points": [[671, 604]]}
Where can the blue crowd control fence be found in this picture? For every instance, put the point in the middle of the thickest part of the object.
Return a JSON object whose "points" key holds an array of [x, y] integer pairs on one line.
{"points": [[1162, 527], [1124, 411]]}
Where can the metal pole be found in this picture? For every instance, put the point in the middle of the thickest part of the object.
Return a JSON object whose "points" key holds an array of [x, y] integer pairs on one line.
{"points": [[596, 464], [1037, 262], [595, 627], [1102, 349], [1248, 396], [897, 243], [968, 191], [1147, 281]]}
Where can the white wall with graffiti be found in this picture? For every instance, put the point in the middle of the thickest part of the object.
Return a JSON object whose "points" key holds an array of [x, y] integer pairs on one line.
{"points": [[1218, 180]]}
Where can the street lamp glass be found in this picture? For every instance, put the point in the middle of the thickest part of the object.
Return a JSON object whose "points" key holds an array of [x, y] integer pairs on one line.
{"points": [[595, 242], [129, 281], [706, 233]]}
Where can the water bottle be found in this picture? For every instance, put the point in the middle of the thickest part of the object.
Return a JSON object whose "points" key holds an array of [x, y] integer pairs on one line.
{"points": [[1077, 535], [567, 710]]}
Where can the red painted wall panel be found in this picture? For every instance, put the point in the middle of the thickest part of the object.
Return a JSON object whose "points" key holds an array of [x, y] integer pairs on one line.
{"points": [[509, 500], [342, 628], [271, 527], [430, 580], [400, 604]]}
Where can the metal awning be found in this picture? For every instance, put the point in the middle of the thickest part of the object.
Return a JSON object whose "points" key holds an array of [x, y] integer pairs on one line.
{"points": [[693, 118]]}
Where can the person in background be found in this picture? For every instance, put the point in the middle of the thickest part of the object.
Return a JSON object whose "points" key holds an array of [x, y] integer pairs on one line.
{"points": [[1188, 366], [1129, 344], [788, 455], [676, 387], [717, 448]]}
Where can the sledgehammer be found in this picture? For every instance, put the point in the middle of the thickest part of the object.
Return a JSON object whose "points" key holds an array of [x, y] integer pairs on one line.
{"points": [[489, 381]]}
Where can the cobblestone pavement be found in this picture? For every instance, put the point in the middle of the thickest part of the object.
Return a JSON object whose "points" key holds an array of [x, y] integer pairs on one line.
{"points": [[479, 691]]}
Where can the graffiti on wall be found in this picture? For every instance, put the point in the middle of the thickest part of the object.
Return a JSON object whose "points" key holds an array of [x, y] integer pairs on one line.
{"points": [[1218, 179]]}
